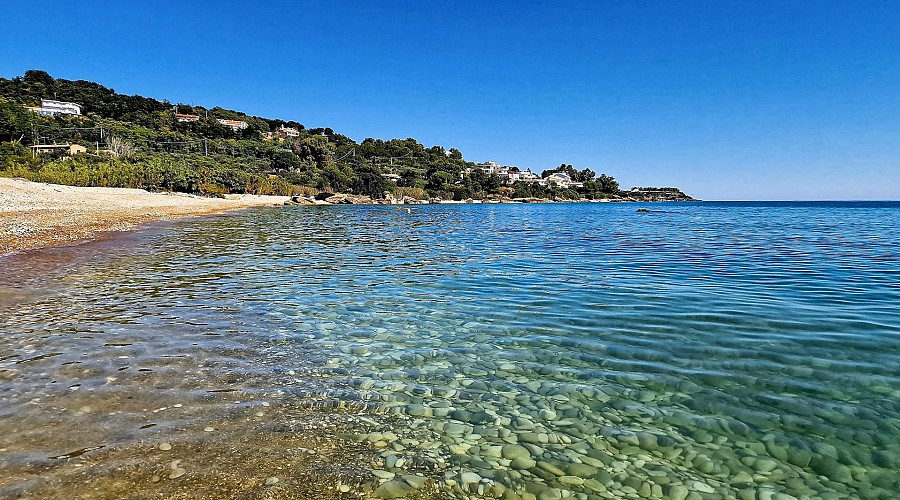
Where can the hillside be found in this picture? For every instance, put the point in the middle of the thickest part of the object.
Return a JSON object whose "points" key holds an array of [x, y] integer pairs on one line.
{"points": [[141, 142]]}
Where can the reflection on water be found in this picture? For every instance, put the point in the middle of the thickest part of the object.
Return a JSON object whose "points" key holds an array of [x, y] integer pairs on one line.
{"points": [[533, 351]]}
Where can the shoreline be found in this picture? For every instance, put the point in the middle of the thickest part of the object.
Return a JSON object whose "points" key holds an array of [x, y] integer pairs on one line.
{"points": [[349, 199], [37, 215]]}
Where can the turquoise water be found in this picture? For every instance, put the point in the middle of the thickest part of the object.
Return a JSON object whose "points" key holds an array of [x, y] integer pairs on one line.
{"points": [[711, 350]]}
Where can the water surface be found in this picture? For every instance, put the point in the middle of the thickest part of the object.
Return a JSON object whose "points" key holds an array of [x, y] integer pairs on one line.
{"points": [[714, 350]]}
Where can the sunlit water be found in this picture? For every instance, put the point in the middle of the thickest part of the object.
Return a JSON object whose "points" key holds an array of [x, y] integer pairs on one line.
{"points": [[698, 351]]}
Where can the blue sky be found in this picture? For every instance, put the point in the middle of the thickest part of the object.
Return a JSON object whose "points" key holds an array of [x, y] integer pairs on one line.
{"points": [[725, 99]]}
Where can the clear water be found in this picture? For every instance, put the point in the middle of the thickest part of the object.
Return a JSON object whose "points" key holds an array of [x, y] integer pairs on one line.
{"points": [[714, 350]]}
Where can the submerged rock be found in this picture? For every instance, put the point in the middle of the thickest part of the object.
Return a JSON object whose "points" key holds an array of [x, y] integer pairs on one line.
{"points": [[396, 488], [513, 451]]}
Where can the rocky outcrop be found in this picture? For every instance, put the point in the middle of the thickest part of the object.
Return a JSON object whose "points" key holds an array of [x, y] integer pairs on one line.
{"points": [[305, 200], [655, 194], [349, 199], [633, 195]]}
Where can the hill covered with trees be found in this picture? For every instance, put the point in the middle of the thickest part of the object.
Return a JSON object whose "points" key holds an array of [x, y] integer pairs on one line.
{"points": [[135, 141]]}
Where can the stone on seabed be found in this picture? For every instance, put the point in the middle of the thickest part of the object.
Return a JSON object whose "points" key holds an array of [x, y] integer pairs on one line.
{"points": [[394, 489]]}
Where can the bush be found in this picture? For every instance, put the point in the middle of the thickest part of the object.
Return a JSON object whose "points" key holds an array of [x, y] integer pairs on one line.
{"points": [[213, 190], [412, 192]]}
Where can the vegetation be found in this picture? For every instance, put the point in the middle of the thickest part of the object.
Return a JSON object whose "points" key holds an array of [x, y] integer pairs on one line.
{"points": [[135, 141]]}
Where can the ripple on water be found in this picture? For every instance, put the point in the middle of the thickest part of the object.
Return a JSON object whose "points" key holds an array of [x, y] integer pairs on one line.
{"points": [[550, 351]]}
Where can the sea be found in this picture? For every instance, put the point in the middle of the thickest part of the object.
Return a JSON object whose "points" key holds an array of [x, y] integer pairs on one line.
{"points": [[733, 350]]}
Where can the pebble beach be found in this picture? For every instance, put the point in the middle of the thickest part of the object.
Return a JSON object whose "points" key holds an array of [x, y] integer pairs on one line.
{"points": [[37, 215]]}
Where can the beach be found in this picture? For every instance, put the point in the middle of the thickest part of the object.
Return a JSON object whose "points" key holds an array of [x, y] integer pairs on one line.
{"points": [[36, 215]]}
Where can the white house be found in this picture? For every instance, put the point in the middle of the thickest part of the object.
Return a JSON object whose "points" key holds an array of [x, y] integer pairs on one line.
{"points": [[491, 167], [186, 118], [528, 176], [563, 180], [233, 124], [288, 132], [49, 107], [72, 149], [510, 176]]}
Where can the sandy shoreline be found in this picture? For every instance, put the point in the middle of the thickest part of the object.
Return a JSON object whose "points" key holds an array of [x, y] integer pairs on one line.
{"points": [[36, 215]]}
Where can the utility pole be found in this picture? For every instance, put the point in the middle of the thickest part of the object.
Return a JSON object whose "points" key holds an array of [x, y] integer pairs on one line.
{"points": [[205, 150]]}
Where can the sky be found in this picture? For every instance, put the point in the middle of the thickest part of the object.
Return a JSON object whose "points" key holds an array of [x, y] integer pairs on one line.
{"points": [[728, 100]]}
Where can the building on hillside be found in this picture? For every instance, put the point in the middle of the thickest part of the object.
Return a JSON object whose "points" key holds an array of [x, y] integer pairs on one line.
{"points": [[512, 174], [508, 175], [528, 176], [491, 167], [287, 132], [233, 124], [71, 149], [50, 107], [186, 118], [533, 179], [563, 180]]}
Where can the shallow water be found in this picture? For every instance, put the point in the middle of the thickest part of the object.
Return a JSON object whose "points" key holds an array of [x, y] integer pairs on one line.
{"points": [[730, 350]]}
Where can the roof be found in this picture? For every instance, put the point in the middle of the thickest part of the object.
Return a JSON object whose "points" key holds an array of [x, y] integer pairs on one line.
{"points": [[41, 146], [54, 101]]}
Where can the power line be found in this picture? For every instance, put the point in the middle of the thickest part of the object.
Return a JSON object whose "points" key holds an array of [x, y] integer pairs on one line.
{"points": [[351, 152]]}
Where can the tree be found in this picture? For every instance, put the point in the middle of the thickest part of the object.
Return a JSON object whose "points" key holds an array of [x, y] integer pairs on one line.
{"points": [[411, 178], [119, 148], [607, 184], [369, 182], [15, 121], [39, 83], [316, 149], [439, 181], [285, 160], [335, 178]]}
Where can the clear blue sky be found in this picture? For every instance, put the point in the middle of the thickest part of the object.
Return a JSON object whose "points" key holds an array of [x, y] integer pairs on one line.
{"points": [[725, 99]]}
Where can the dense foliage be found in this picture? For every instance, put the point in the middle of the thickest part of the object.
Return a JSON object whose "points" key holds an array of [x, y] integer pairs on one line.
{"points": [[135, 141]]}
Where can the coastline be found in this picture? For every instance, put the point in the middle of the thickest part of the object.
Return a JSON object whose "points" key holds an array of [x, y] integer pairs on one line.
{"points": [[37, 215], [622, 197]]}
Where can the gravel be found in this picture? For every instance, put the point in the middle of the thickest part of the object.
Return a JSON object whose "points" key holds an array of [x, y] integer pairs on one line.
{"points": [[36, 215]]}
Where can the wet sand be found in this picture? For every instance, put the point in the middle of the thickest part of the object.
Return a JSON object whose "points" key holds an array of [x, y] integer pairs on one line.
{"points": [[37, 215]]}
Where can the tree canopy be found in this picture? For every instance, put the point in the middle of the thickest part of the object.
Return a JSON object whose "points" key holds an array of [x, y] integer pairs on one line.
{"points": [[136, 141]]}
